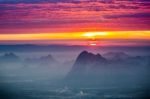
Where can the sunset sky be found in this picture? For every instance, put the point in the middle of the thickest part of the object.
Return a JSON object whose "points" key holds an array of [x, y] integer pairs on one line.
{"points": [[75, 22]]}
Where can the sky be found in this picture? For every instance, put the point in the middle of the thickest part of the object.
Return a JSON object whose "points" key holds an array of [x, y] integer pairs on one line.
{"points": [[75, 22]]}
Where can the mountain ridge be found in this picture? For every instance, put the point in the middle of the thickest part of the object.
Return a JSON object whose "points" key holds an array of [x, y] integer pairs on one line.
{"points": [[89, 68]]}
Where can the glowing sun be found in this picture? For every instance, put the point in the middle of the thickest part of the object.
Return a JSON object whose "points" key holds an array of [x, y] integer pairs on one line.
{"points": [[93, 44], [95, 34]]}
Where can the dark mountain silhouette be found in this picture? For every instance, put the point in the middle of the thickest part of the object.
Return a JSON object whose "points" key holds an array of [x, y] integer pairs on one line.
{"points": [[86, 64], [95, 69], [9, 57], [47, 58]]}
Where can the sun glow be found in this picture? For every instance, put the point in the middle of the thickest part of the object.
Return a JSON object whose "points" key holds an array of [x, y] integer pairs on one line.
{"points": [[78, 35], [94, 34], [93, 44]]}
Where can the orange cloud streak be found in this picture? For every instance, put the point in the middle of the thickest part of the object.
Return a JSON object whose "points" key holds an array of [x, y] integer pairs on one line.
{"points": [[79, 36]]}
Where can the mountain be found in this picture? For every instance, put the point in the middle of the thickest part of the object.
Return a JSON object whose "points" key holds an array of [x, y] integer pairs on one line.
{"points": [[46, 61], [86, 64], [116, 55], [9, 57], [94, 69]]}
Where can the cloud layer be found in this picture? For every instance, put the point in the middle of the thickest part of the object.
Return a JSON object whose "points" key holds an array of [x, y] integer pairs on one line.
{"points": [[77, 15]]}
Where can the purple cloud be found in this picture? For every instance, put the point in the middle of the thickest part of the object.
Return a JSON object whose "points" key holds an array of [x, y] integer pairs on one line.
{"points": [[102, 13]]}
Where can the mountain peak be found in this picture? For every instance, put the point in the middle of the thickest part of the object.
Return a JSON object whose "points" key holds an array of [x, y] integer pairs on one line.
{"points": [[10, 57], [83, 53], [86, 63], [89, 57], [9, 54], [48, 58]]}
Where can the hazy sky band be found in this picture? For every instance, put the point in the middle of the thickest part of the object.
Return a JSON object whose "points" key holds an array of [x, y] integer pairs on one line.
{"points": [[132, 43]]}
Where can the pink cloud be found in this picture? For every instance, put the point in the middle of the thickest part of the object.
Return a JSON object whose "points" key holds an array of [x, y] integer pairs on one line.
{"points": [[114, 15]]}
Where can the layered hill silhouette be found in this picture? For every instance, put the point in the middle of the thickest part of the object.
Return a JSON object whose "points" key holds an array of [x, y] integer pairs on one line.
{"points": [[116, 55], [88, 68], [94, 69], [43, 61], [9, 57]]}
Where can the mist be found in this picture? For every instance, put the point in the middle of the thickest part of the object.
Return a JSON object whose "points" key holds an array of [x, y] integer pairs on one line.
{"points": [[82, 73]]}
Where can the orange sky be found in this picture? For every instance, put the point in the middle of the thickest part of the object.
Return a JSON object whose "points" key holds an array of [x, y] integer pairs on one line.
{"points": [[145, 35], [80, 38]]}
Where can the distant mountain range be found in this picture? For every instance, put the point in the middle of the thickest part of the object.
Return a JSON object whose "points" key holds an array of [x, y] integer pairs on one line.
{"points": [[9, 57], [88, 68], [55, 48], [44, 61], [116, 55]]}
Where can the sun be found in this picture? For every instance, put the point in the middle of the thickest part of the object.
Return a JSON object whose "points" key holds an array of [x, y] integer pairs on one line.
{"points": [[93, 44], [94, 37], [94, 34]]}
